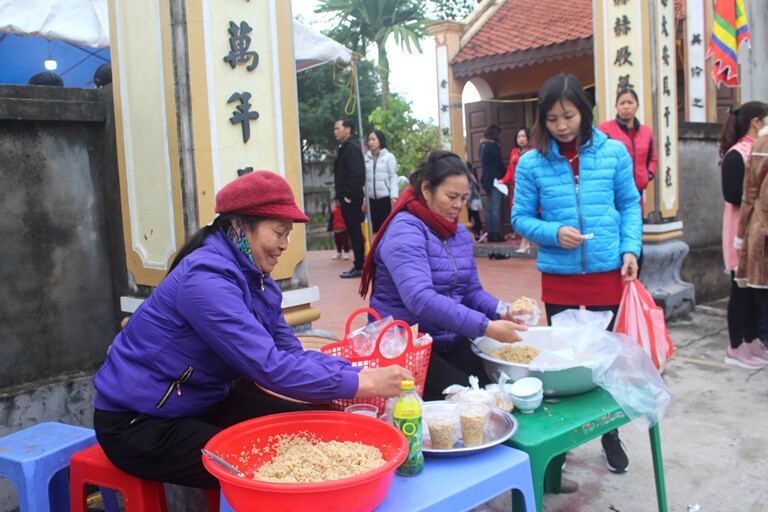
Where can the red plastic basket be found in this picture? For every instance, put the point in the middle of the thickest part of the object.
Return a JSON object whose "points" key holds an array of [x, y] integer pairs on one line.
{"points": [[414, 358]]}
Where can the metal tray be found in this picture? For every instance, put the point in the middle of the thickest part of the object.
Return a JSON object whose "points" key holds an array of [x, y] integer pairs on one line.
{"points": [[501, 427]]}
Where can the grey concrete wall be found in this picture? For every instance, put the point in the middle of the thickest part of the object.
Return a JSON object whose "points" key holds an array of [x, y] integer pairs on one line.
{"points": [[701, 210], [61, 254]]}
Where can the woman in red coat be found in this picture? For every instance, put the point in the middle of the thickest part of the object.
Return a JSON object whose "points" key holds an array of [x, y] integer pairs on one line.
{"points": [[522, 144], [637, 137]]}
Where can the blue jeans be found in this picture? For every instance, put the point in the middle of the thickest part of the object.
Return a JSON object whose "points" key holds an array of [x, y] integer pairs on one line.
{"points": [[493, 211]]}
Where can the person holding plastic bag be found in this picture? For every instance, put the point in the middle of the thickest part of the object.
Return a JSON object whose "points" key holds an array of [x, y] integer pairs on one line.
{"points": [[421, 269], [575, 196]]}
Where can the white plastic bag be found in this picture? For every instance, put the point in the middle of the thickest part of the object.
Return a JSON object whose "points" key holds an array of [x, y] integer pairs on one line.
{"points": [[363, 340]]}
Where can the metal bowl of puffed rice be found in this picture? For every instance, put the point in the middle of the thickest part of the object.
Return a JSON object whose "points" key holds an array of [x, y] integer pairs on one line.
{"points": [[514, 358]]}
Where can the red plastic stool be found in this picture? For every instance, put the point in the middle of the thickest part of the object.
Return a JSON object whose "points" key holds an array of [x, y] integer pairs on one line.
{"points": [[91, 466]]}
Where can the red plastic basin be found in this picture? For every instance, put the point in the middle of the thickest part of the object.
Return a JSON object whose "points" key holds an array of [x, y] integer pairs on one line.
{"points": [[357, 493]]}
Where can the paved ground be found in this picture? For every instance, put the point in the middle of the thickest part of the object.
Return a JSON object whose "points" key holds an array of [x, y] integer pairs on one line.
{"points": [[714, 440]]}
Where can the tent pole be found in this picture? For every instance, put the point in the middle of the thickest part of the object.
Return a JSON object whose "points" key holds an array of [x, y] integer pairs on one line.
{"points": [[369, 223]]}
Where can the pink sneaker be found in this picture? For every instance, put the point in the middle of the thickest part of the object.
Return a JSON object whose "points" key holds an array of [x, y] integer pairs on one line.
{"points": [[758, 350], [742, 357]]}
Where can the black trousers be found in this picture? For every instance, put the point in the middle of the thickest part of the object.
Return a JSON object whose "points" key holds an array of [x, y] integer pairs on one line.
{"points": [[353, 216], [380, 209], [168, 449], [744, 310], [477, 222], [453, 367]]}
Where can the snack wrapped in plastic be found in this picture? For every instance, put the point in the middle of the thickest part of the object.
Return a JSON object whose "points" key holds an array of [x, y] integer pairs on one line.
{"points": [[471, 393], [525, 311]]}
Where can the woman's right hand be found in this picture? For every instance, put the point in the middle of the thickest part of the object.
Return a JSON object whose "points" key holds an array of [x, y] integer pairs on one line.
{"points": [[504, 331], [381, 382], [569, 237]]}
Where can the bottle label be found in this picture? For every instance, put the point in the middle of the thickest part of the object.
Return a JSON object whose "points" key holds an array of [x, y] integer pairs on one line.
{"points": [[414, 463]]}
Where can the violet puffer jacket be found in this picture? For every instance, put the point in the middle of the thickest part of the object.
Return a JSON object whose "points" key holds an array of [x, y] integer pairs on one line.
{"points": [[208, 323], [423, 279]]}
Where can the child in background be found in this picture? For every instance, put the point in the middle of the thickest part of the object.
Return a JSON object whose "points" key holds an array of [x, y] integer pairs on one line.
{"points": [[474, 205], [340, 236]]}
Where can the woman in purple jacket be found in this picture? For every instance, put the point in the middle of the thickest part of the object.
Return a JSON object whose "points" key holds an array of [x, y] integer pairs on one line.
{"points": [[422, 270], [167, 385]]}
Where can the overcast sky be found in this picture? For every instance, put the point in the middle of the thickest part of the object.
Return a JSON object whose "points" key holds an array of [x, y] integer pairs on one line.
{"points": [[411, 76]]}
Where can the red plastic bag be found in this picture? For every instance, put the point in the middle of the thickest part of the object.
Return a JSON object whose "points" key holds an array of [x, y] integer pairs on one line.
{"points": [[642, 320]]}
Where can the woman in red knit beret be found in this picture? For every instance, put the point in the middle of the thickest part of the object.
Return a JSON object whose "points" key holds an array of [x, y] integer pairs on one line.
{"points": [[168, 384]]}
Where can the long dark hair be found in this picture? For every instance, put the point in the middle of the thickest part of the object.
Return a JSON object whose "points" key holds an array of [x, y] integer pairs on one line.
{"points": [[561, 87], [737, 124], [222, 222], [382, 138], [436, 168]]}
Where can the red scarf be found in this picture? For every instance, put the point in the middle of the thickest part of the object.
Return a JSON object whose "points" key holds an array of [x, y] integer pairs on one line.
{"points": [[417, 206]]}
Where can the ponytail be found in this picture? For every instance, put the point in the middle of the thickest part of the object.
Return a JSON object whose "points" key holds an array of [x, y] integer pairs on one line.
{"points": [[738, 121]]}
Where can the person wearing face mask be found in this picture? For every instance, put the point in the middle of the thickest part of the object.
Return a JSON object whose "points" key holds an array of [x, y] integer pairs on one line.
{"points": [[380, 178], [575, 196], [421, 269], [168, 383]]}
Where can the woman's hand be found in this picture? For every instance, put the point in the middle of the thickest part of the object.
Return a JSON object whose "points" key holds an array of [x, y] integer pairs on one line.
{"points": [[504, 331], [569, 237], [629, 268], [381, 382]]}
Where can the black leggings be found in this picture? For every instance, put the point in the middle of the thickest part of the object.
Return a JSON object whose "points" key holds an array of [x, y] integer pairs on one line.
{"points": [[453, 367], [743, 313], [168, 449], [553, 309]]}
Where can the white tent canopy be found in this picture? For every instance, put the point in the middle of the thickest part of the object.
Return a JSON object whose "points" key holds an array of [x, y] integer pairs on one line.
{"points": [[86, 23]]}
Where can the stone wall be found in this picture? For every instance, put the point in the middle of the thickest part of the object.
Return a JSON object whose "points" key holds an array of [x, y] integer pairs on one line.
{"points": [[701, 210], [62, 254]]}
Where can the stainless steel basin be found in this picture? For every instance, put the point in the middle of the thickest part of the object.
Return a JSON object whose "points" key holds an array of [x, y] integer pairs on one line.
{"points": [[570, 381]]}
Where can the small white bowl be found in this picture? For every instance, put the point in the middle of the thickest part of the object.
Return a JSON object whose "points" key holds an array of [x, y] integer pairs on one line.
{"points": [[527, 387], [528, 405]]}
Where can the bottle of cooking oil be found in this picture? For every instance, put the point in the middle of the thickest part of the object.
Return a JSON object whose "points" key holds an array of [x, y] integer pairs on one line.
{"points": [[407, 417]]}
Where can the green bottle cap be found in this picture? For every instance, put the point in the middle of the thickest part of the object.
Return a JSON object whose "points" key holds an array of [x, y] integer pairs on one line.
{"points": [[406, 385]]}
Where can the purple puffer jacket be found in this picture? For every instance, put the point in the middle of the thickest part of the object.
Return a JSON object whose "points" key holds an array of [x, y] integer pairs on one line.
{"points": [[215, 318], [424, 279]]}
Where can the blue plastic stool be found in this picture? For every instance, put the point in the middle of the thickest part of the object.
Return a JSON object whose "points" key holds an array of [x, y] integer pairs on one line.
{"points": [[34, 460], [224, 506]]}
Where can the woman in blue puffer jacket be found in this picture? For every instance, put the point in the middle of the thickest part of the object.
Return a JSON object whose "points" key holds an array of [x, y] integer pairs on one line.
{"points": [[575, 196], [423, 271]]}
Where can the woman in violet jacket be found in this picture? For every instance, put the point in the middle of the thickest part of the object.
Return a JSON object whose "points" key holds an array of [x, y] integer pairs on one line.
{"points": [[422, 271], [167, 386]]}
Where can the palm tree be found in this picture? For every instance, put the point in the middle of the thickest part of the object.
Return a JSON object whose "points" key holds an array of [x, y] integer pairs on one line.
{"points": [[363, 22]]}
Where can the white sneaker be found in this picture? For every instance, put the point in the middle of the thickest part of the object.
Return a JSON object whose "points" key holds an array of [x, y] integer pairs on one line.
{"points": [[742, 357], [757, 349], [336, 256], [346, 255]]}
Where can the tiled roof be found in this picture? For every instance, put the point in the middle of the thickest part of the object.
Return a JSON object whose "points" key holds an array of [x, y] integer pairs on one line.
{"points": [[524, 32], [528, 24]]}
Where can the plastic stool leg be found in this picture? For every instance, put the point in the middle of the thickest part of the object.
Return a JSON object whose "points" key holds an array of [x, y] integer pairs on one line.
{"points": [[224, 506], [59, 491], [109, 499], [658, 467]]}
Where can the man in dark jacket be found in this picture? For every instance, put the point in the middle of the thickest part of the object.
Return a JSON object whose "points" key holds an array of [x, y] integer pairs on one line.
{"points": [[349, 183]]}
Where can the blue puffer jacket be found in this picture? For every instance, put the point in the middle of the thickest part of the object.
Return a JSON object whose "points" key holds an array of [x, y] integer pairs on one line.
{"points": [[605, 203], [422, 278], [215, 318]]}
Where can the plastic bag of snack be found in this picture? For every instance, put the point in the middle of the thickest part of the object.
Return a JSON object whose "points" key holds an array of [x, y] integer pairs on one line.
{"points": [[525, 311], [501, 393], [471, 393]]}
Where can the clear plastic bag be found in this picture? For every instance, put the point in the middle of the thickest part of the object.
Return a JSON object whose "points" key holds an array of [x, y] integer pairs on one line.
{"points": [[471, 393], [525, 311], [618, 364], [363, 340]]}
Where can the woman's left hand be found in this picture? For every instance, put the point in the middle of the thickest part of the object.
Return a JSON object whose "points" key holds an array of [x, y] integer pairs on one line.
{"points": [[629, 268]]}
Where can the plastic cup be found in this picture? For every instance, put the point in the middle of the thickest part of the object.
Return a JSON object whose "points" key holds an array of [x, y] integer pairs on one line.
{"points": [[363, 409], [442, 426], [473, 418]]}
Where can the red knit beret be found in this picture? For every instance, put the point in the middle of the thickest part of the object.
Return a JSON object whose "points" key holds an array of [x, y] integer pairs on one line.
{"points": [[262, 194]]}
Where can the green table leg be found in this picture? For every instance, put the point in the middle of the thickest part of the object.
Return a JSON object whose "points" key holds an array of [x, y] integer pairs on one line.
{"points": [[553, 478], [658, 467], [539, 464]]}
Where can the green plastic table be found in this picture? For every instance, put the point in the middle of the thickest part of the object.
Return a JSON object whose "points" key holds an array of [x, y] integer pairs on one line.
{"points": [[553, 429]]}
